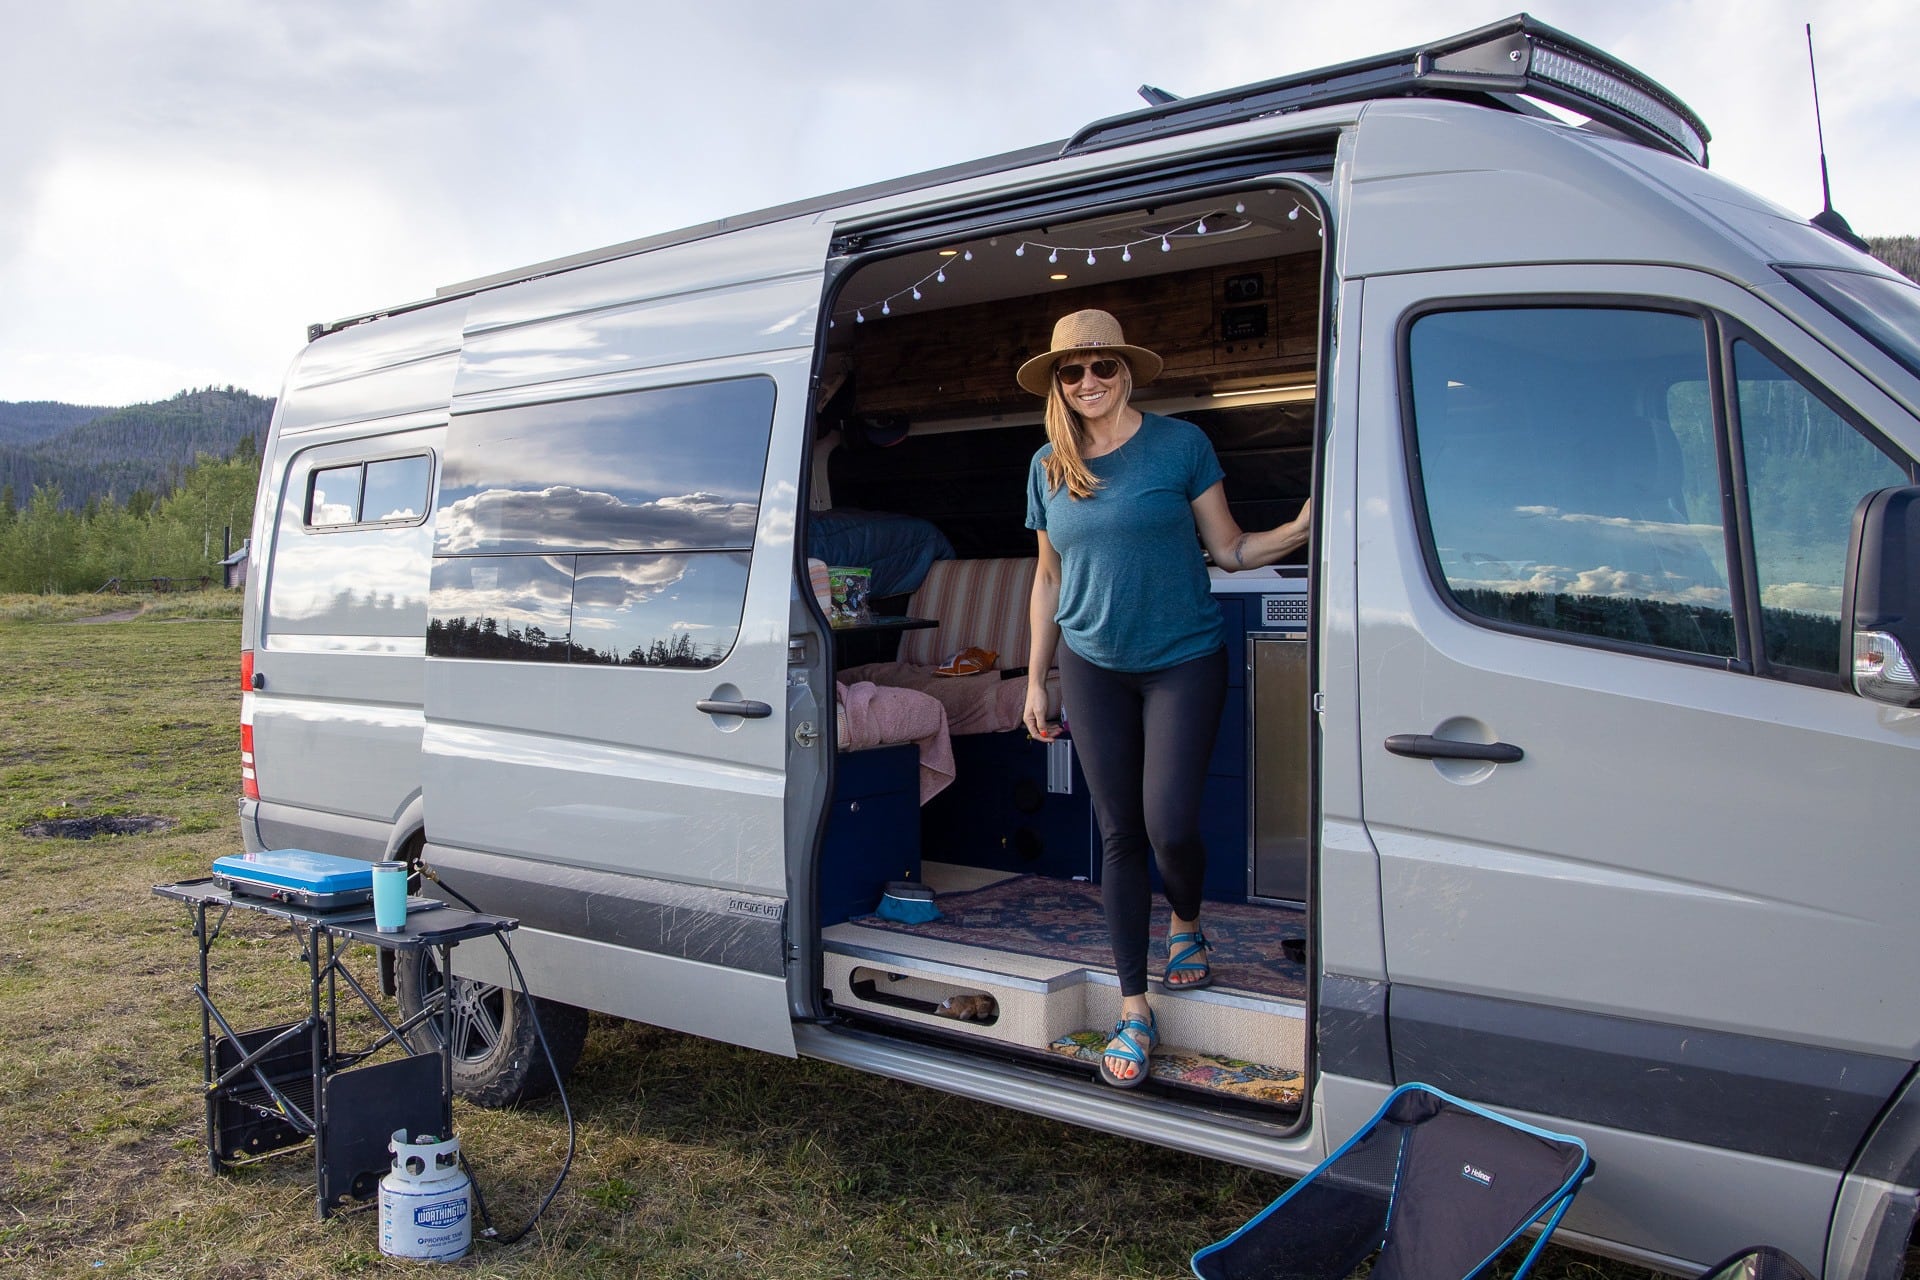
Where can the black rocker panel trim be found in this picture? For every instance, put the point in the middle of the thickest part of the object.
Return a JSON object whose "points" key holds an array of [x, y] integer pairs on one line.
{"points": [[735, 930], [1803, 1103]]}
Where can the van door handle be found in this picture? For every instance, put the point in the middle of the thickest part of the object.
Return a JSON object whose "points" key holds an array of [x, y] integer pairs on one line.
{"points": [[745, 709], [1423, 746]]}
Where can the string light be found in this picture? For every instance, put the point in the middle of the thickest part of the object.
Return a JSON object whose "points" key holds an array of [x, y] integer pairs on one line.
{"points": [[1192, 229], [1186, 230]]}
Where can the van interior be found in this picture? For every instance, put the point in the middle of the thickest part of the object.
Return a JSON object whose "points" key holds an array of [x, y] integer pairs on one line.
{"points": [[922, 444]]}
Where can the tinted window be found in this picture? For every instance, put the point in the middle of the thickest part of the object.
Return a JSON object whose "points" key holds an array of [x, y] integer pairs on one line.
{"points": [[1806, 471], [396, 489], [1570, 472], [516, 607], [657, 611], [675, 468], [335, 497], [1886, 312], [615, 531]]}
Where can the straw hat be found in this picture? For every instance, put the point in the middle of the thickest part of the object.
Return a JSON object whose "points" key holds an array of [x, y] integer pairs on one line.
{"points": [[1087, 331]]}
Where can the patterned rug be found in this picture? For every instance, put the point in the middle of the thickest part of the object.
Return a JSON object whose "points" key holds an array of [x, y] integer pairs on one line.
{"points": [[1192, 1069], [1061, 920]]}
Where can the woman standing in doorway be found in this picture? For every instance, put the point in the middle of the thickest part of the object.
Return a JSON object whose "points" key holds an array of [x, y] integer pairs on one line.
{"points": [[1117, 499]]}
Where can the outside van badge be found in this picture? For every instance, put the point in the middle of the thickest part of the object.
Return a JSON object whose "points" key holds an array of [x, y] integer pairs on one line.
{"points": [[1481, 1176], [760, 910]]}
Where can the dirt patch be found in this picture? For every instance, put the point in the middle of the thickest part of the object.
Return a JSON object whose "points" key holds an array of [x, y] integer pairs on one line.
{"points": [[122, 615], [88, 828]]}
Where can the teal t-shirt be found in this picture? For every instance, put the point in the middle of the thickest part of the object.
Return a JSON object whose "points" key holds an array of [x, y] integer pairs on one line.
{"points": [[1133, 585]]}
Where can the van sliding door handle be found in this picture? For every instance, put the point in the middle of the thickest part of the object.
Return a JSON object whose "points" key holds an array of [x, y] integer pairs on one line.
{"points": [[1421, 746], [746, 710]]}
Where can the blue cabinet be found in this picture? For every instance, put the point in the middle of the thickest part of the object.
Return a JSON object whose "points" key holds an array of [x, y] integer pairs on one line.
{"points": [[873, 834]]}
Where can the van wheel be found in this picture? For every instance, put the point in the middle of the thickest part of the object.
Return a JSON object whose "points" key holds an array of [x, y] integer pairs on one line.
{"points": [[497, 1059]]}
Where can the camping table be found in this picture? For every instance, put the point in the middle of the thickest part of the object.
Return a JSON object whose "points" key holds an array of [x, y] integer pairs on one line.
{"points": [[277, 1086]]}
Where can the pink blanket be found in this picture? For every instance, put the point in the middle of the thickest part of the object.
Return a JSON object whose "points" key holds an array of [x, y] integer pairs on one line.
{"points": [[872, 715], [975, 704]]}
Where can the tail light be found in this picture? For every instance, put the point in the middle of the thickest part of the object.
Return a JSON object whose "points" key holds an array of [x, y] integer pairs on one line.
{"points": [[249, 783]]}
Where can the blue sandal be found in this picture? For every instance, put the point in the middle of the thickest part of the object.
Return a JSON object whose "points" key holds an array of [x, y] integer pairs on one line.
{"points": [[1182, 948], [1132, 1041]]}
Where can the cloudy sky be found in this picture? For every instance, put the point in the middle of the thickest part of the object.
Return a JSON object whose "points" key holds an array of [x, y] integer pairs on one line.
{"points": [[184, 187]]}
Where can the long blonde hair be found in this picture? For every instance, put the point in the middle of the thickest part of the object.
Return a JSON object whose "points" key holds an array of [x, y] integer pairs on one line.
{"points": [[1066, 430]]}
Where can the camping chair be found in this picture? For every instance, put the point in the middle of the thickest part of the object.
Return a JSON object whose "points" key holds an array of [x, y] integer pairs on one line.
{"points": [[1435, 1186], [1759, 1262]]}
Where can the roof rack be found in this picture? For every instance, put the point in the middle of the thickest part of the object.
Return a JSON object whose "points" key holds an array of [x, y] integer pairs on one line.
{"points": [[1517, 55]]}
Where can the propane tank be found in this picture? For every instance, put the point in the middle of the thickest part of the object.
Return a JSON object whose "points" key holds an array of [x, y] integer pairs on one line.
{"points": [[426, 1200]]}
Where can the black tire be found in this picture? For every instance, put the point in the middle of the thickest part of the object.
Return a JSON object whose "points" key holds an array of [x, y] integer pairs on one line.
{"points": [[497, 1059]]}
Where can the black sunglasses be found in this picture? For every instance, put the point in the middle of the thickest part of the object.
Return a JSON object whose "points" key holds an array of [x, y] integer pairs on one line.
{"points": [[1070, 374]]}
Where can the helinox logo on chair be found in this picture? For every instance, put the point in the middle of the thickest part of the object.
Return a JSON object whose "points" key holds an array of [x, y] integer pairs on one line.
{"points": [[1472, 1174]]}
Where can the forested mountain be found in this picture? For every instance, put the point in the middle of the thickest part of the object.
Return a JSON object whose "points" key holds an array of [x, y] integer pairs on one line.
{"points": [[116, 453], [1902, 253], [35, 420]]}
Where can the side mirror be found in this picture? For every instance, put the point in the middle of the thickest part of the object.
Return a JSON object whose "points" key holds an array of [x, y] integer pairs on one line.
{"points": [[1881, 626]]}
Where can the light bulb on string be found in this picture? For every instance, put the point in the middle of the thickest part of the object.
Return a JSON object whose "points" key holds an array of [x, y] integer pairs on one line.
{"points": [[1126, 253], [859, 316], [940, 276], [1293, 214], [1164, 246], [886, 308], [967, 256], [1021, 252], [1054, 256], [1089, 257], [1202, 228], [1239, 207]]}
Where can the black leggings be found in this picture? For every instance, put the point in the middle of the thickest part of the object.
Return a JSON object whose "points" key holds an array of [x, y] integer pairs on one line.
{"points": [[1144, 738]]}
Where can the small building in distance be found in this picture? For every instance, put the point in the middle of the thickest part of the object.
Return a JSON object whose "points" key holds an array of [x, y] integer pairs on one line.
{"points": [[233, 570]]}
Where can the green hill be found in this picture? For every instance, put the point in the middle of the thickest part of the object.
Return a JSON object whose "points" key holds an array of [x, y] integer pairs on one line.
{"points": [[31, 421], [92, 453]]}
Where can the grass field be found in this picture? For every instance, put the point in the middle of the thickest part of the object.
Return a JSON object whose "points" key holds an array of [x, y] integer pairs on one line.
{"points": [[694, 1159]]}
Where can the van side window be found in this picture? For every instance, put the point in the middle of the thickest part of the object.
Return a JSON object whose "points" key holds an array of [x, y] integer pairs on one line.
{"points": [[1563, 491], [1806, 470], [395, 489], [343, 564], [616, 530], [335, 498], [387, 491]]}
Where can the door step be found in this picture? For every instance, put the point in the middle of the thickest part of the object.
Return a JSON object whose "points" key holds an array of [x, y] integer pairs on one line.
{"points": [[1243, 1044], [1193, 1069]]}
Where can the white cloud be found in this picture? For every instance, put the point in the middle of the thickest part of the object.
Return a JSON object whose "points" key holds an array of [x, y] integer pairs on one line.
{"points": [[200, 182]]}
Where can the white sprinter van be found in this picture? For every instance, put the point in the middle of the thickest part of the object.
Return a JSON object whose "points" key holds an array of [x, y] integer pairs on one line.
{"points": [[1573, 770]]}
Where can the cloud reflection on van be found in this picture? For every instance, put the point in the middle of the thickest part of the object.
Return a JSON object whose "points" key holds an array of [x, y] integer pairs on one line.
{"points": [[564, 517], [649, 610]]}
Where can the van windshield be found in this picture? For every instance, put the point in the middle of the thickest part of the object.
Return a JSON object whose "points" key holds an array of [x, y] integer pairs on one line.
{"points": [[1885, 311]]}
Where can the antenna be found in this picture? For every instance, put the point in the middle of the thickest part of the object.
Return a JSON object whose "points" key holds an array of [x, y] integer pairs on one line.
{"points": [[1828, 220]]}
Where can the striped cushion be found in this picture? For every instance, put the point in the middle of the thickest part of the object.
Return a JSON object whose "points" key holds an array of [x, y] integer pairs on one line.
{"points": [[978, 603]]}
